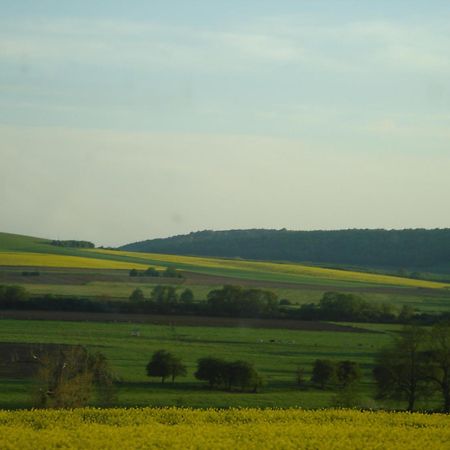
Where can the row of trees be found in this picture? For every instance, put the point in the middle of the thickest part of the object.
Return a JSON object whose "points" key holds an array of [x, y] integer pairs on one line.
{"points": [[164, 296], [414, 366], [232, 301], [341, 374], [236, 301], [169, 272], [73, 244], [229, 301], [353, 308], [217, 372]]}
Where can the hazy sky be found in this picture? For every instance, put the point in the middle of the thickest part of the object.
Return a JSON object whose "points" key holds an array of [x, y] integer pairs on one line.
{"points": [[121, 121]]}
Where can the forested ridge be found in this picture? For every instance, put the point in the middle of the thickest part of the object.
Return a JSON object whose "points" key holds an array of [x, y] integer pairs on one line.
{"points": [[410, 248]]}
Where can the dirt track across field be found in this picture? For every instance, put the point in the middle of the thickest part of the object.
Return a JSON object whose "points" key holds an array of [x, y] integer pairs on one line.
{"points": [[181, 320]]}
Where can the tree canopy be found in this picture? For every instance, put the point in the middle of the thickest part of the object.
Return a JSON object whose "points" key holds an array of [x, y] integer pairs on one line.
{"points": [[411, 248], [164, 364]]}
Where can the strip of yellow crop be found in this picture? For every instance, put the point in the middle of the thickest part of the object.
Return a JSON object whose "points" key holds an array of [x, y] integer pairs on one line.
{"points": [[50, 260], [277, 268], [174, 428]]}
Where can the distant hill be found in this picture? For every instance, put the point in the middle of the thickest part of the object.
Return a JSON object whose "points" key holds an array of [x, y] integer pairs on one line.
{"points": [[412, 248], [18, 251]]}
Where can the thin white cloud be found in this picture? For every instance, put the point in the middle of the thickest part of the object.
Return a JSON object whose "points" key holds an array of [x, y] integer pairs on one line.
{"points": [[350, 46]]}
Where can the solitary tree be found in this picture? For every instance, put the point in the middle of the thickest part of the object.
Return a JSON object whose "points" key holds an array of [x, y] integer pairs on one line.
{"points": [[164, 364], [137, 295], [324, 373]]}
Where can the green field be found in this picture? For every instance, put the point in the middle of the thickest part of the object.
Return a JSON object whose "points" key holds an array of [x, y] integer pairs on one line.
{"points": [[276, 353]]}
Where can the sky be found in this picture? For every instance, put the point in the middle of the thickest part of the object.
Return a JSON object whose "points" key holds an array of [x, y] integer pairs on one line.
{"points": [[123, 121]]}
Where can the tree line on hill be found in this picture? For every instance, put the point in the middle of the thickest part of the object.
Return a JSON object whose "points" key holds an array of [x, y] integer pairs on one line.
{"points": [[411, 248], [169, 272], [228, 301], [73, 244]]}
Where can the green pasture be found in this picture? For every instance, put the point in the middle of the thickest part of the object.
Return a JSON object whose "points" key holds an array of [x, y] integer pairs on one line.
{"points": [[297, 296], [276, 353]]}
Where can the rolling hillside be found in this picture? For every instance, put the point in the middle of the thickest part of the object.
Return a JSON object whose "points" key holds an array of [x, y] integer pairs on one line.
{"points": [[415, 249], [25, 251]]}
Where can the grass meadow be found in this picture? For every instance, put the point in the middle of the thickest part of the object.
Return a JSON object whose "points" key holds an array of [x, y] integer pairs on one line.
{"points": [[276, 353]]}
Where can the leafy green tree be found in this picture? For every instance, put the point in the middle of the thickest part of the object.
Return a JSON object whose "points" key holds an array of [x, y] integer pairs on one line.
{"points": [[137, 295], [164, 364], [236, 301], [324, 373], [212, 370], [243, 375], [400, 370], [165, 297], [171, 272], [235, 374], [133, 273], [187, 296], [348, 373], [151, 272], [16, 294]]}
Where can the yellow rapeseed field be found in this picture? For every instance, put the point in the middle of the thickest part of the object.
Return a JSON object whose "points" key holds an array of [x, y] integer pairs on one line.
{"points": [[280, 268], [177, 428], [25, 259]]}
